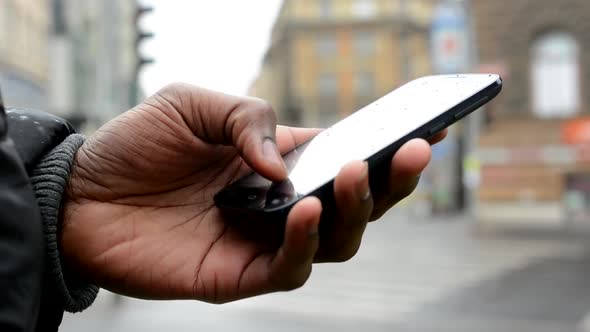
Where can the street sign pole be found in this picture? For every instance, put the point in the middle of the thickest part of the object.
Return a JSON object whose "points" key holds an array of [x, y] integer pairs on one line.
{"points": [[453, 52], [474, 125]]}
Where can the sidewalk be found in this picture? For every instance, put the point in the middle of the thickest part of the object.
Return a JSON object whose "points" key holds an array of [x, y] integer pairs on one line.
{"points": [[585, 326], [410, 275]]}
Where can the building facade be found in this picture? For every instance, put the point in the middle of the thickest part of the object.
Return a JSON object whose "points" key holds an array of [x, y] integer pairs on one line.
{"points": [[534, 151], [329, 58], [77, 59], [24, 52], [94, 60]]}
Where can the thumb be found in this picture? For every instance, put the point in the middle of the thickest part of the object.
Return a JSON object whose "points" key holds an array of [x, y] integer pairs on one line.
{"points": [[248, 124]]}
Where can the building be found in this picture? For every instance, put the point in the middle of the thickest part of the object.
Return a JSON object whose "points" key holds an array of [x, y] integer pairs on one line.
{"points": [[23, 52], [532, 160], [328, 58], [95, 60], [534, 151], [77, 59]]}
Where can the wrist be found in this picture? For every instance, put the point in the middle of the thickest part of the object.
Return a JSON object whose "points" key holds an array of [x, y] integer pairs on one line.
{"points": [[50, 181]]}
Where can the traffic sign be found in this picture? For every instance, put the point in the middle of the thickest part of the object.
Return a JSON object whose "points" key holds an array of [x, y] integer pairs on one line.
{"points": [[450, 38]]}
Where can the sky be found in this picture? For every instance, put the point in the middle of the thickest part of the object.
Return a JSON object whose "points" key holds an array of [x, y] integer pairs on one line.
{"points": [[216, 44]]}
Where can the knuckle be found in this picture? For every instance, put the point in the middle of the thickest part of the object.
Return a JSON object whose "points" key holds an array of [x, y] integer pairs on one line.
{"points": [[218, 302], [260, 108], [401, 191], [175, 94], [249, 114], [295, 281], [261, 103], [346, 253], [378, 214], [408, 189], [179, 90], [175, 88]]}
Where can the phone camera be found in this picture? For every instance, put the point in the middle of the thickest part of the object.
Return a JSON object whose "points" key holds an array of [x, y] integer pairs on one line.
{"points": [[280, 193], [251, 197], [277, 202]]}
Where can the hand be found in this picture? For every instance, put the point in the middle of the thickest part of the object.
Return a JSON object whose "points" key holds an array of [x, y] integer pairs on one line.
{"points": [[139, 217]]}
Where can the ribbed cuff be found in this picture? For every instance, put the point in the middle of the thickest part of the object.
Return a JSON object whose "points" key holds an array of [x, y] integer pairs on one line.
{"points": [[50, 178]]}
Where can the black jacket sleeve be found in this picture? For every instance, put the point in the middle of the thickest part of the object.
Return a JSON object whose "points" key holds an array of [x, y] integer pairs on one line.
{"points": [[21, 241], [43, 146]]}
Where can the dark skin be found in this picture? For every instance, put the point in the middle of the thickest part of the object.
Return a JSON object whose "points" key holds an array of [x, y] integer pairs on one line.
{"points": [[139, 217]]}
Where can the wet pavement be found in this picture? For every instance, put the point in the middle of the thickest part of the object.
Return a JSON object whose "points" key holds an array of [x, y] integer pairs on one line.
{"points": [[410, 275]]}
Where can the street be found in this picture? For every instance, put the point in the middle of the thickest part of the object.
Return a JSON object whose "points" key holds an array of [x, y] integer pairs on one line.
{"points": [[410, 275]]}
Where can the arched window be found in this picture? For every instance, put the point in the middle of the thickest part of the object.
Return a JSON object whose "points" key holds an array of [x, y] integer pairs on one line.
{"points": [[556, 75]]}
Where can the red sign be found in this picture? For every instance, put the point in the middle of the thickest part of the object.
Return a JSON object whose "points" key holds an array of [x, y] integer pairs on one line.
{"points": [[576, 131]]}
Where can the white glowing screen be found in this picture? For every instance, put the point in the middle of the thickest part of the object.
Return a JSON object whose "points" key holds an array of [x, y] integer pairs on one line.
{"points": [[374, 128]]}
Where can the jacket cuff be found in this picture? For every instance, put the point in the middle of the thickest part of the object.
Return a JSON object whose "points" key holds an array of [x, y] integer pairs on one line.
{"points": [[50, 178]]}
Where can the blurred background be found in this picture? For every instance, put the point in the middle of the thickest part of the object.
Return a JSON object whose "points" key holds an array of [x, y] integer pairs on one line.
{"points": [[497, 235]]}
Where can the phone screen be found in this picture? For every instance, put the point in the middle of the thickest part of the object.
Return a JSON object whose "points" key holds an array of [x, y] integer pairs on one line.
{"points": [[360, 136]]}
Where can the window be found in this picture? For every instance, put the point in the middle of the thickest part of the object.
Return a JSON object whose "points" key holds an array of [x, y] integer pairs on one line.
{"points": [[326, 45], [364, 8], [365, 84], [328, 115], [328, 85], [365, 43], [364, 89], [327, 99], [325, 8], [555, 75]]}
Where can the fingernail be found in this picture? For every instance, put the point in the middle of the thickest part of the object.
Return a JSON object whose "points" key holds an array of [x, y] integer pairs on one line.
{"points": [[272, 154], [363, 184]]}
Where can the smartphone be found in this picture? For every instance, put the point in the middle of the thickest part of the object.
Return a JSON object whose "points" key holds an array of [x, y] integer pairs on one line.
{"points": [[419, 109]]}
